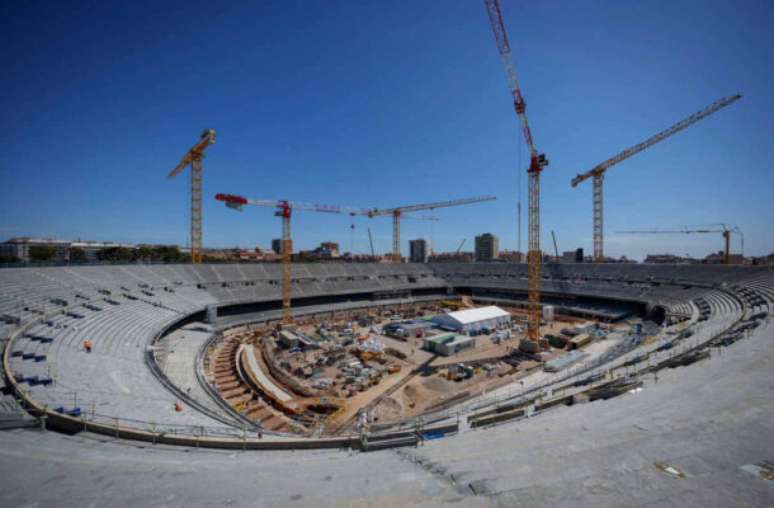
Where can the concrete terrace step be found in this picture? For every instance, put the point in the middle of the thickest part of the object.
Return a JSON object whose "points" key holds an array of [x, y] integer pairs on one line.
{"points": [[227, 385], [234, 392], [238, 398]]}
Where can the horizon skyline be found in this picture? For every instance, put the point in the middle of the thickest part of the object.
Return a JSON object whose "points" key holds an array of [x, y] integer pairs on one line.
{"points": [[386, 253]]}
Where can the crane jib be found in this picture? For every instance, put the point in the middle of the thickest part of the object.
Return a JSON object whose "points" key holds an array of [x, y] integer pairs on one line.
{"points": [[633, 150], [327, 208]]}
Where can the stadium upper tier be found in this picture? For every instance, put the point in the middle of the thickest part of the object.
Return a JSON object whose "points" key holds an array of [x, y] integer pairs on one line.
{"points": [[121, 310], [26, 291]]}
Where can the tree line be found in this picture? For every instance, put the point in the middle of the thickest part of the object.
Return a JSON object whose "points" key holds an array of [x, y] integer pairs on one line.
{"points": [[143, 253]]}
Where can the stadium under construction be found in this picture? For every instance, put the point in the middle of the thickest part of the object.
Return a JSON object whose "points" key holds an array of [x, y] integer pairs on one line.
{"points": [[510, 382]]}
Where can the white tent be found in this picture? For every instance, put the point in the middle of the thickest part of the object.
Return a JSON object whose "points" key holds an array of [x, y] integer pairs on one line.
{"points": [[470, 320]]}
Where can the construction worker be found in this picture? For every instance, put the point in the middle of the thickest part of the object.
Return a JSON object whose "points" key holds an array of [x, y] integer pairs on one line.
{"points": [[178, 406], [87, 345]]}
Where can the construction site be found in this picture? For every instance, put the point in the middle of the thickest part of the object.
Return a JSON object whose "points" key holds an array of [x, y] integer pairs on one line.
{"points": [[325, 375], [393, 363]]}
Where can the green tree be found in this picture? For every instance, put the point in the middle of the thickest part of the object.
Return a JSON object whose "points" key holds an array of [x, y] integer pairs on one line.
{"points": [[167, 253], [158, 254], [77, 255], [42, 253], [115, 254], [144, 253]]}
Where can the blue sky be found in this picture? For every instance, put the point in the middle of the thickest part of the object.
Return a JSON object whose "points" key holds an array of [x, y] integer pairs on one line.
{"points": [[382, 104]]}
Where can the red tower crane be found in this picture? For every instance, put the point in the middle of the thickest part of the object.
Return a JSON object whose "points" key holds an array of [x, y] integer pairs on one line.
{"points": [[537, 161], [284, 210]]}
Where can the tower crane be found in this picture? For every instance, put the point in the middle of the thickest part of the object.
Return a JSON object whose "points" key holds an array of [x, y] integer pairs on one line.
{"points": [[284, 210], [398, 212], [598, 171], [718, 228], [371, 243], [194, 158], [537, 161]]}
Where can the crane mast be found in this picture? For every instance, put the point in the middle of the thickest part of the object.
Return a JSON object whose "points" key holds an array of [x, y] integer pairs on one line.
{"points": [[194, 158], [536, 163], [284, 210], [371, 243], [597, 173], [396, 257]]}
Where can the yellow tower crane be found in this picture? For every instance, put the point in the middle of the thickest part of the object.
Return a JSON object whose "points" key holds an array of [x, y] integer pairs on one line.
{"points": [[399, 212], [598, 171], [194, 158]]}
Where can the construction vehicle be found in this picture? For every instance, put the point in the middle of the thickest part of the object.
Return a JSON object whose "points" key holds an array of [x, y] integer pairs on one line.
{"points": [[556, 249], [719, 228], [366, 356], [460, 247], [537, 162], [452, 304], [459, 372], [394, 368], [398, 212], [194, 158], [598, 171]]}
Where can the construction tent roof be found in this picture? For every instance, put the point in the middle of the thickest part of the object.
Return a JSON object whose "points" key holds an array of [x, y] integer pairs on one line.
{"points": [[480, 314]]}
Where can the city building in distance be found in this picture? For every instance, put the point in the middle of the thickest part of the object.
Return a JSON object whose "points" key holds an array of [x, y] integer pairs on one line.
{"points": [[419, 250], [487, 247]]}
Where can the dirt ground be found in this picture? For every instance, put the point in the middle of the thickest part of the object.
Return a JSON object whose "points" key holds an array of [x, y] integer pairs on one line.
{"points": [[408, 393], [427, 392]]}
